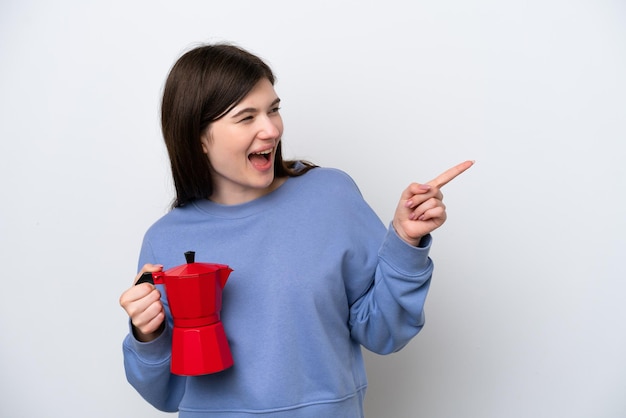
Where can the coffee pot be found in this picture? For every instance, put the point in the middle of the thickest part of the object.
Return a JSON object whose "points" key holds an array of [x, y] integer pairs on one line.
{"points": [[194, 293]]}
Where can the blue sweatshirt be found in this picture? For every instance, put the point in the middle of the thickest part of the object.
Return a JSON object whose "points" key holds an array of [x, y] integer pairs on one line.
{"points": [[316, 275]]}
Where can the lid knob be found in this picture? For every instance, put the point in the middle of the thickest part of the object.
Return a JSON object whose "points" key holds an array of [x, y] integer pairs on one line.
{"points": [[190, 256]]}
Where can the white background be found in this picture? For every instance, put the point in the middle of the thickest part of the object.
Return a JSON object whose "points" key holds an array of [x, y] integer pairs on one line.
{"points": [[526, 312]]}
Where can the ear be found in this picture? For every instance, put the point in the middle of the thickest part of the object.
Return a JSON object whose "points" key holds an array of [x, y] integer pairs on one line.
{"points": [[204, 140]]}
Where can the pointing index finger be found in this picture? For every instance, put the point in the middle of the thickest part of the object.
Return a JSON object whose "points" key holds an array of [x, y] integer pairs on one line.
{"points": [[448, 175]]}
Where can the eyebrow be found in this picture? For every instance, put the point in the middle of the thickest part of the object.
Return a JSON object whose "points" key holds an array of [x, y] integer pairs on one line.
{"points": [[253, 109]]}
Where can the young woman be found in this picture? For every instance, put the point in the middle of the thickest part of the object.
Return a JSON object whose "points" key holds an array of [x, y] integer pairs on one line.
{"points": [[316, 274]]}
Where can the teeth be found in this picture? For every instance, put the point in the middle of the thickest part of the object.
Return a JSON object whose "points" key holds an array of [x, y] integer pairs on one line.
{"points": [[263, 152]]}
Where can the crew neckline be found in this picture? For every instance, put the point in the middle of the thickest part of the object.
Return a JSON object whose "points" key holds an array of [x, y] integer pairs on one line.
{"points": [[243, 210]]}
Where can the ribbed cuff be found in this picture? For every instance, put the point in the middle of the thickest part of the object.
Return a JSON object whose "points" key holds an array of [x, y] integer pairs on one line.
{"points": [[404, 257]]}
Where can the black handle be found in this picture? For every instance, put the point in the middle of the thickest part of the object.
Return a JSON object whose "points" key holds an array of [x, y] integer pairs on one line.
{"points": [[145, 278], [190, 256]]}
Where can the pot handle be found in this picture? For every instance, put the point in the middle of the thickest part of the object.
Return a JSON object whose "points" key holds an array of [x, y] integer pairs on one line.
{"points": [[145, 278], [152, 278]]}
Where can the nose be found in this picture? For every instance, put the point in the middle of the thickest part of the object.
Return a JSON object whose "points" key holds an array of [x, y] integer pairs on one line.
{"points": [[271, 127]]}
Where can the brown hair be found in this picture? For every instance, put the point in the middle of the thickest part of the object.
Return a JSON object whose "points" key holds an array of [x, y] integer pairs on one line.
{"points": [[203, 85]]}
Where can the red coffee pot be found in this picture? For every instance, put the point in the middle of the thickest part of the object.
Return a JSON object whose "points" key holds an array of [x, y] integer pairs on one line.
{"points": [[194, 293]]}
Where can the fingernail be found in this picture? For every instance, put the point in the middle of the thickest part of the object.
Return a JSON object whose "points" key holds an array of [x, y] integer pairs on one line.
{"points": [[424, 186], [408, 204]]}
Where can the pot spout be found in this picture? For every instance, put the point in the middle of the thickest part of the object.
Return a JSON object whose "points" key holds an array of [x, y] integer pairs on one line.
{"points": [[224, 273]]}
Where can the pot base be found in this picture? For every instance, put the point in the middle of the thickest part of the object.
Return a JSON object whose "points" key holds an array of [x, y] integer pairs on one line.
{"points": [[202, 350]]}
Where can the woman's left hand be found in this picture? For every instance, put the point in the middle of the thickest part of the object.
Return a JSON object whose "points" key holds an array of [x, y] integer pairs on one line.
{"points": [[421, 209]]}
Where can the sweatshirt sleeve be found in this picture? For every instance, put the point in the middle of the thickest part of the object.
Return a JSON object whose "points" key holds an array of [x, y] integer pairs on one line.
{"points": [[147, 367], [147, 364], [391, 311]]}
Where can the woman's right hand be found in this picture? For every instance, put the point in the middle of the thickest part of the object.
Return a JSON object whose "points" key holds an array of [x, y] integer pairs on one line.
{"points": [[143, 305]]}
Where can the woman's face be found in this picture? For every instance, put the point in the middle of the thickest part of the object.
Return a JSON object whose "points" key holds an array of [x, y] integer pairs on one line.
{"points": [[241, 147]]}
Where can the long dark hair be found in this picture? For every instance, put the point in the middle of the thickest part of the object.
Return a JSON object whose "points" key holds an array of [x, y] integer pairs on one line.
{"points": [[203, 85]]}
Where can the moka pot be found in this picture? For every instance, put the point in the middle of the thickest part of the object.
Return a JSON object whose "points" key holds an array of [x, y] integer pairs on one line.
{"points": [[194, 294]]}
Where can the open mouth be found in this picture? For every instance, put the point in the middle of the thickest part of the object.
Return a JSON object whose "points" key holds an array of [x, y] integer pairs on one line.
{"points": [[261, 159]]}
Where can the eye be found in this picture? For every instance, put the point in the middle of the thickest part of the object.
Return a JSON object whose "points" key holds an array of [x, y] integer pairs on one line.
{"points": [[275, 109], [247, 118]]}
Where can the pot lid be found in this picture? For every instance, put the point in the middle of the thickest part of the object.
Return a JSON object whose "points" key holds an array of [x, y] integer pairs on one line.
{"points": [[193, 269]]}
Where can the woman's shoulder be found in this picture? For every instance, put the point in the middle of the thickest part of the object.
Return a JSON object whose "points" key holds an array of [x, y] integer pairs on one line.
{"points": [[330, 174], [324, 180], [171, 220]]}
